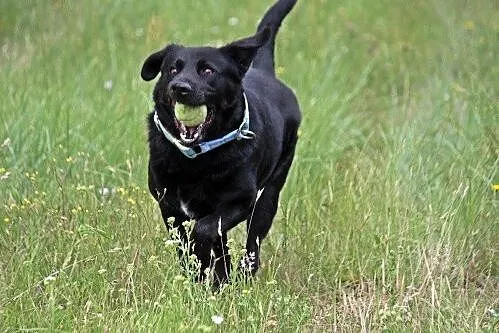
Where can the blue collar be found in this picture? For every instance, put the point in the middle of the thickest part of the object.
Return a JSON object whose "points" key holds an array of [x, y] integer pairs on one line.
{"points": [[243, 132]]}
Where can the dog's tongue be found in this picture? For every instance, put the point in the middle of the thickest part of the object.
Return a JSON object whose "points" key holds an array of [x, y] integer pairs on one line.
{"points": [[188, 134], [190, 131]]}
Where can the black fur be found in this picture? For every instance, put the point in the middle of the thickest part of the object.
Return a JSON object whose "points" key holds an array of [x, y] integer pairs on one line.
{"points": [[221, 185]]}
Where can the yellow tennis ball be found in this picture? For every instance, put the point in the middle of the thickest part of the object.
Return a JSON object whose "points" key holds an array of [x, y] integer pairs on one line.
{"points": [[190, 115]]}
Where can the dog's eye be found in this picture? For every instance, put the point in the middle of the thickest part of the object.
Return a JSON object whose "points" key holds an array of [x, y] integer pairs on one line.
{"points": [[207, 70], [173, 70]]}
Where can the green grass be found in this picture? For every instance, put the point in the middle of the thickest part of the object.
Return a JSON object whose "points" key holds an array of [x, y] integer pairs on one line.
{"points": [[388, 221]]}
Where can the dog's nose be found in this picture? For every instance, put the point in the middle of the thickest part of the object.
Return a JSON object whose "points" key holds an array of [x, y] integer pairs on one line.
{"points": [[182, 88]]}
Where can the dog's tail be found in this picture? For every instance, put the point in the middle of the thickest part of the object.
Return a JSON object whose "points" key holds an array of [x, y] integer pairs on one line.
{"points": [[264, 59]]}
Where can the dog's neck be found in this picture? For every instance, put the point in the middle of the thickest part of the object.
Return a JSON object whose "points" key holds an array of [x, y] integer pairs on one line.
{"points": [[233, 110]]}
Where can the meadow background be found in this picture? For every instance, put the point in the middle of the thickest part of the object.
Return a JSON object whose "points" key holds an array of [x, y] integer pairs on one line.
{"points": [[388, 222]]}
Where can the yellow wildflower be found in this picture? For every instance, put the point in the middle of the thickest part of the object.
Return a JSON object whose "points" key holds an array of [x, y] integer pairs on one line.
{"points": [[469, 25]]}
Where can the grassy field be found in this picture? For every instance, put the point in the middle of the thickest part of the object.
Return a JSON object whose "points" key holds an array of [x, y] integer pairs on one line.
{"points": [[388, 222]]}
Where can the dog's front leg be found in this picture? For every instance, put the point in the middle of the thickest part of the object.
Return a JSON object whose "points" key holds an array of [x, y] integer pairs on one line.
{"points": [[210, 239]]}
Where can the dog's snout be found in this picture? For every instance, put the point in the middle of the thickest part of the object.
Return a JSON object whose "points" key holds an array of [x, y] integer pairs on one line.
{"points": [[182, 88]]}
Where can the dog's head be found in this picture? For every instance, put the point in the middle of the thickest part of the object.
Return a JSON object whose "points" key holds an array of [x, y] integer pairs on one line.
{"points": [[196, 76]]}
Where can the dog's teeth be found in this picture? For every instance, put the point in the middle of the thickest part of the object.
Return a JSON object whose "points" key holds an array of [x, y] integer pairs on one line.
{"points": [[188, 136]]}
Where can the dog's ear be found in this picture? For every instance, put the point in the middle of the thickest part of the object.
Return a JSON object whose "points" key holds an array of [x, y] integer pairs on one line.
{"points": [[244, 50], [152, 65]]}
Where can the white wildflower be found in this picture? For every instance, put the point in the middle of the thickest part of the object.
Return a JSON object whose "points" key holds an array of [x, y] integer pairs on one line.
{"points": [[217, 319], [6, 143], [49, 279], [106, 191], [233, 21], [139, 32], [108, 85]]}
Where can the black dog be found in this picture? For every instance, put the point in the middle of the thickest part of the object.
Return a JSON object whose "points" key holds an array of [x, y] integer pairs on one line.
{"points": [[232, 166]]}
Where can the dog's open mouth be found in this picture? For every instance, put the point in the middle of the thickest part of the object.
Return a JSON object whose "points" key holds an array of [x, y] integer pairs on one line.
{"points": [[191, 121], [188, 134]]}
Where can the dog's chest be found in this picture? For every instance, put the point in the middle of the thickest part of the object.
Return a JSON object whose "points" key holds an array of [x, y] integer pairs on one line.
{"points": [[185, 209], [196, 201]]}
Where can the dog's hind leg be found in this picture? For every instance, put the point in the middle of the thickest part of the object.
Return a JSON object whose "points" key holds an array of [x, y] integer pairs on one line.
{"points": [[260, 221]]}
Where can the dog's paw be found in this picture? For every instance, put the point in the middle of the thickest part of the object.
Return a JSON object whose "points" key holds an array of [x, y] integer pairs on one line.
{"points": [[249, 263]]}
